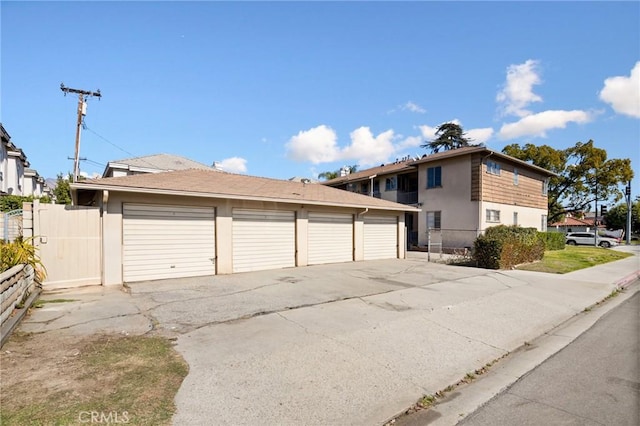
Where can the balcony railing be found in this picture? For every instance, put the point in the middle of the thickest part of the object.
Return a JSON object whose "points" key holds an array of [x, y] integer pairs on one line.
{"points": [[410, 197]]}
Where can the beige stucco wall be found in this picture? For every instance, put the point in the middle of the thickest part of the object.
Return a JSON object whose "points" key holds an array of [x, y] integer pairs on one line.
{"points": [[459, 215], [112, 228]]}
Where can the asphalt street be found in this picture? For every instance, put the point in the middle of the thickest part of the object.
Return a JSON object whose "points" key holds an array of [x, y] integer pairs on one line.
{"points": [[593, 381]]}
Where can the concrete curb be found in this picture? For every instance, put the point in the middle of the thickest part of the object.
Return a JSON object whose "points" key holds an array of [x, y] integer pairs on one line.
{"points": [[626, 281]]}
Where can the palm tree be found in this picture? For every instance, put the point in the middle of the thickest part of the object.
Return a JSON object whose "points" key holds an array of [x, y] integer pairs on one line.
{"points": [[337, 173], [329, 175], [448, 136]]}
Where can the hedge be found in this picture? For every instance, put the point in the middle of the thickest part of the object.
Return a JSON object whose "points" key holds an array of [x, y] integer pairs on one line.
{"points": [[503, 247], [552, 240]]}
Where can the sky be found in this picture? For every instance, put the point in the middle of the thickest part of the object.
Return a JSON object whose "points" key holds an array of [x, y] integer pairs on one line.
{"points": [[284, 89]]}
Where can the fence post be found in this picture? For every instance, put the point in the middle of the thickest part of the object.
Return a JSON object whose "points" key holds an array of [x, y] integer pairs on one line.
{"points": [[428, 244]]}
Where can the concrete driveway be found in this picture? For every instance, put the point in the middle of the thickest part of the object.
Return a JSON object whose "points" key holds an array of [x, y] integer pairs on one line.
{"points": [[353, 343]]}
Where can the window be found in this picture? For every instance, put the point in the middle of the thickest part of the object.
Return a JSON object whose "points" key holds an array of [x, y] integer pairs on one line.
{"points": [[543, 224], [545, 186], [515, 218], [434, 177], [391, 184], [493, 167], [433, 220], [365, 188], [493, 215], [515, 176]]}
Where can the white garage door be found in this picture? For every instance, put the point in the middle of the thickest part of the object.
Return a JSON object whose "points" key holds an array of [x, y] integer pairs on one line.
{"points": [[263, 239], [330, 238], [380, 237], [167, 242]]}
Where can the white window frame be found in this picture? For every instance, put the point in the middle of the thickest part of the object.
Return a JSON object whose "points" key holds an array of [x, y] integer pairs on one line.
{"points": [[515, 177], [545, 187], [493, 168], [515, 218], [493, 216]]}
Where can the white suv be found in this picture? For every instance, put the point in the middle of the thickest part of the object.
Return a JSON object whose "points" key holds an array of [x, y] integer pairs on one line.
{"points": [[586, 238]]}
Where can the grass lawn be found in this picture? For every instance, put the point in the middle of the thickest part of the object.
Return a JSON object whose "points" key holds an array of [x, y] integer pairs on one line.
{"points": [[101, 379], [573, 258]]}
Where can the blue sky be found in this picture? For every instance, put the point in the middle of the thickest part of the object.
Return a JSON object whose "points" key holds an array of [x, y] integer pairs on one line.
{"points": [[283, 89]]}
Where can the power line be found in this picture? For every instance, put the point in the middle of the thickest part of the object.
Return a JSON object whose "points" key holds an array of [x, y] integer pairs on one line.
{"points": [[120, 148]]}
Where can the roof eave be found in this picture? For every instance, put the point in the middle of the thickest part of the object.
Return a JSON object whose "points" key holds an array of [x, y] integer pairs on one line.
{"points": [[137, 190]]}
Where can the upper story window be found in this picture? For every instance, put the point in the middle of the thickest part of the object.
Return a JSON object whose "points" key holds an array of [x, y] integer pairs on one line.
{"points": [[434, 177], [391, 184], [364, 188], [545, 186], [515, 176], [493, 167]]}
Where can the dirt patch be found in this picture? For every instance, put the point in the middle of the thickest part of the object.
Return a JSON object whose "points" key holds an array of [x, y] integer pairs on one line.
{"points": [[55, 378]]}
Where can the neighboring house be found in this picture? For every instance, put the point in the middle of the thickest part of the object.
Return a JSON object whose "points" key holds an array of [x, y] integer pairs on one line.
{"points": [[163, 226], [460, 193], [150, 164], [572, 224], [16, 178]]}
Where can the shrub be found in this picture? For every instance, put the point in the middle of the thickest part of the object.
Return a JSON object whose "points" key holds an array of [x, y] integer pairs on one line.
{"points": [[21, 251], [502, 247], [552, 240]]}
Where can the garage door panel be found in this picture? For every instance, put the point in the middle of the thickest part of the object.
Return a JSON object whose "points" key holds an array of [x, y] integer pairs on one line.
{"points": [[330, 238], [167, 241], [263, 239], [380, 237]]}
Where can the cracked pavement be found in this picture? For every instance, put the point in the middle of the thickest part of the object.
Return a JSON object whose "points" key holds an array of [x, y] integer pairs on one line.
{"points": [[353, 343]]}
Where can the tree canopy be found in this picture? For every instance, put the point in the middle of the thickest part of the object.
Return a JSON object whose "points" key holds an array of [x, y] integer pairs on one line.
{"points": [[584, 172], [616, 217], [62, 191], [448, 136]]}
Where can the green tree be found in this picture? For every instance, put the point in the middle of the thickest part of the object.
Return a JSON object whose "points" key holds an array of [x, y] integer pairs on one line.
{"points": [[336, 173], [448, 136], [583, 171], [62, 191], [616, 217]]}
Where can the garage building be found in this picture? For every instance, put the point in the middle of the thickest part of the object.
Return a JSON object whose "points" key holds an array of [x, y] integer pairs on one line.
{"points": [[202, 222]]}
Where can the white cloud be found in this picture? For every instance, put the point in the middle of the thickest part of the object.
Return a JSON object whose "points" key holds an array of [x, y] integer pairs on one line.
{"points": [[368, 149], [413, 107], [317, 145], [538, 124], [480, 135], [623, 93], [517, 92], [233, 165]]}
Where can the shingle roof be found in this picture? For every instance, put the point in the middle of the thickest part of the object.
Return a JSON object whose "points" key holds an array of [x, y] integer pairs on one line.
{"points": [[213, 184], [478, 149], [161, 162], [572, 221], [384, 169]]}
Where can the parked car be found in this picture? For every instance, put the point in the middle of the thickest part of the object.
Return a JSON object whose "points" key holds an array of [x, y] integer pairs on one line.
{"points": [[587, 239]]}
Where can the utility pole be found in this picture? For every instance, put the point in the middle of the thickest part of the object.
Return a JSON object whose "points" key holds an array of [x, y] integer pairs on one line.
{"points": [[83, 95], [627, 193]]}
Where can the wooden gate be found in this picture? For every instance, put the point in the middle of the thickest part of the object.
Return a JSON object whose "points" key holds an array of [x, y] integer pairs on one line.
{"points": [[68, 239]]}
